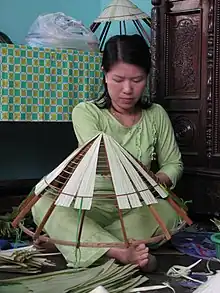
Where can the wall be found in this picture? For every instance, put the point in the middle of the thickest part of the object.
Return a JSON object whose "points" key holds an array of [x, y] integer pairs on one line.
{"points": [[17, 17]]}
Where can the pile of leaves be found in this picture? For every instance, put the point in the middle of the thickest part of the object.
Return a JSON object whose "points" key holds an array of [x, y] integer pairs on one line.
{"points": [[115, 278], [6, 229], [23, 260]]}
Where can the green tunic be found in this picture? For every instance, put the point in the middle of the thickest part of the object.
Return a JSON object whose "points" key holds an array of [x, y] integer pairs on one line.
{"points": [[152, 134]]}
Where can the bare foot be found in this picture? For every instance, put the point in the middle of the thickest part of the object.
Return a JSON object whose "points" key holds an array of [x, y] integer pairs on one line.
{"points": [[138, 255]]}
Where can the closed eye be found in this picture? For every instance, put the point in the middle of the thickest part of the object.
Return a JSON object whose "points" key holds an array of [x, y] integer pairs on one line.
{"points": [[117, 79], [139, 79]]}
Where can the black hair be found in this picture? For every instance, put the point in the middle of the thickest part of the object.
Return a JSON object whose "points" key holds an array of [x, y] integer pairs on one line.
{"points": [[5, 39], [131, 49]]}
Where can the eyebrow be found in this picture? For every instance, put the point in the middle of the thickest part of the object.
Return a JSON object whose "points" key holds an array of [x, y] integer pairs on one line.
{"points": [[134, 77]]}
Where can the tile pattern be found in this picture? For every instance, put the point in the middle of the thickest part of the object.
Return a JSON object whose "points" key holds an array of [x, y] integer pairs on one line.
{"points": [[41, 84]]}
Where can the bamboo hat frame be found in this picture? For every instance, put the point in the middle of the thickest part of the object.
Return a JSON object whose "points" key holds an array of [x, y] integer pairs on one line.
{"points": [[72, 183]]}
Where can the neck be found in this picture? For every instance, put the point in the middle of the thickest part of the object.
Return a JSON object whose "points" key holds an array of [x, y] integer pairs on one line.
{"points": [[120, 110]]}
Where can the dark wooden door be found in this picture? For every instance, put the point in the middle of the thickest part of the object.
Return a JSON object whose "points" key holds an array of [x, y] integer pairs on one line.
{"points": [[183, 84], [186, 81]]}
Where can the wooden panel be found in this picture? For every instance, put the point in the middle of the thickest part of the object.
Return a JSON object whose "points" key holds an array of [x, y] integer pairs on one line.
{"points": [[183, 76], [185, 123], [213, 100], [183, 55]]}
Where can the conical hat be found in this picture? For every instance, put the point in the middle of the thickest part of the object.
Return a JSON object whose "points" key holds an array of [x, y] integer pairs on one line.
{"points": [[131, 183], [72, 183], [121, 10]]}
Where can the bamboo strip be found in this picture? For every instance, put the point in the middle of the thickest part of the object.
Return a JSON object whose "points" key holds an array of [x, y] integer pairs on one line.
{"points": [[134, 177], [45, 219], [155, 239], [151, 181], [123, 226], [87, 186], [51, 176], [71, 188], [80, 229], [121, 181], [24, 211], [160, 222], [179, 211], [26, 201]]}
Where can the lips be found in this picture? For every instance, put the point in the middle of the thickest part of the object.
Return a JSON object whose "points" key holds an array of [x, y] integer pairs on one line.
{"points": [[127, 101]]}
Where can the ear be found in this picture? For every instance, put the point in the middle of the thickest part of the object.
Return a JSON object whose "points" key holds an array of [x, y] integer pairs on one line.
{"points": [[105, 75]]}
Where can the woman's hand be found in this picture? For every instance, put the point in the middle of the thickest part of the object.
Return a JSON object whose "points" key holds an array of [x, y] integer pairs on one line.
{"points": [[163, 179]]}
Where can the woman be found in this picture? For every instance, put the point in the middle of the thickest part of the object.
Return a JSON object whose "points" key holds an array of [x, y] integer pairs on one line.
{"points": [[144, 130]]}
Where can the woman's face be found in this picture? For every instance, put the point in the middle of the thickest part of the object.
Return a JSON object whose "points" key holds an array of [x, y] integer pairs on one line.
{"points": [[125, 83]]}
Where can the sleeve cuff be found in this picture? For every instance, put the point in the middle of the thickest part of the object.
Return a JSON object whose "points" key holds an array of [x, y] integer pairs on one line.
{"points": [[173, 172]]}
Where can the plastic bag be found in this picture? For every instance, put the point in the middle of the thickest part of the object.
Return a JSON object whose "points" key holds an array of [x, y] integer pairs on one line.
{"points": [[56, 30]]}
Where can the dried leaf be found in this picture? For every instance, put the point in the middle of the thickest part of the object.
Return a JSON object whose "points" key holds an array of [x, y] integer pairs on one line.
{"points": [[115, 278]]}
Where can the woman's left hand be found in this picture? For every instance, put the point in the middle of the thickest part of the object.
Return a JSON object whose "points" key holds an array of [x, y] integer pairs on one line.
{"points": [[163, 179]]}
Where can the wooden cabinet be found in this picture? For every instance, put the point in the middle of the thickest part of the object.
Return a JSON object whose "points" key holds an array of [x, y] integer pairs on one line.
{"points": [[186, 81]]}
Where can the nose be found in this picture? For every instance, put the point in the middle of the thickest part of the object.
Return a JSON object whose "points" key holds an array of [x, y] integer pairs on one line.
{"points": [[127, 87]]}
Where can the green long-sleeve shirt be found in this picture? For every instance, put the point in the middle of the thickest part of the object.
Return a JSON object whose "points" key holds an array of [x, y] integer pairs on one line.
{"points": [[152, 134]]}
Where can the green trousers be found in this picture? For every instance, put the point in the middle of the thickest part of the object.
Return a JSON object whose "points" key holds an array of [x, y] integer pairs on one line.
{"points": [[101, 224]]}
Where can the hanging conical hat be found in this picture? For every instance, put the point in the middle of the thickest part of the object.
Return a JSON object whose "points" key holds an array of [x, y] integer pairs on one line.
{"points": [[121, 10]]}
